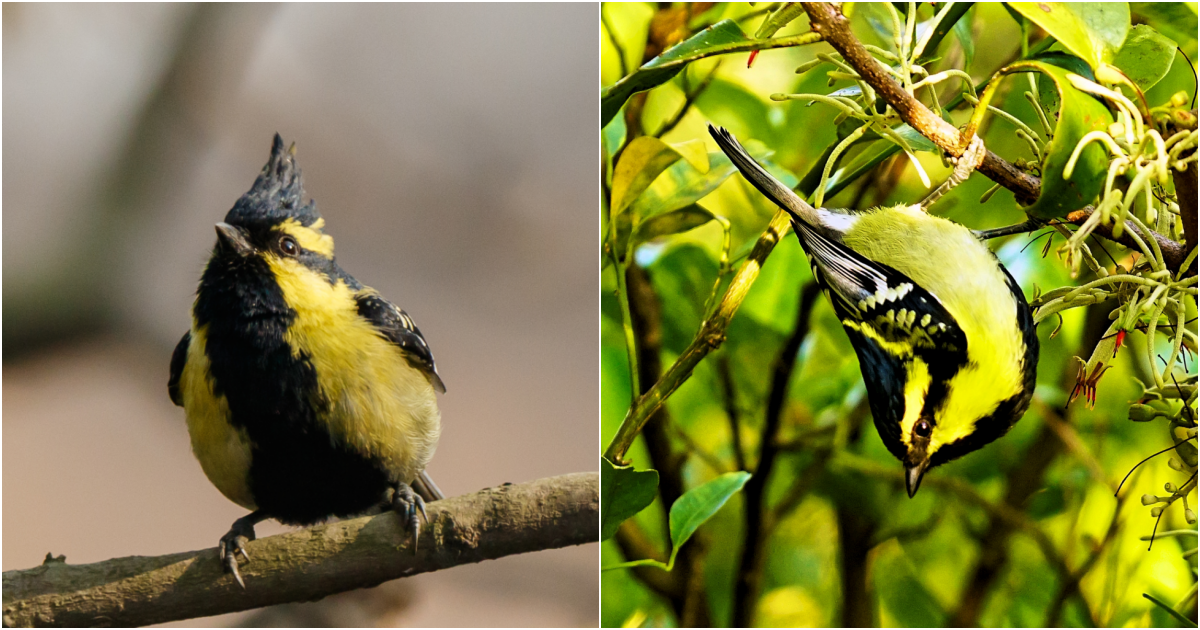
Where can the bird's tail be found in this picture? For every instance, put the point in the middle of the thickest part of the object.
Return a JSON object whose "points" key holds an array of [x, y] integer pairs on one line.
{"points": [[425, 487], [766, 183]]}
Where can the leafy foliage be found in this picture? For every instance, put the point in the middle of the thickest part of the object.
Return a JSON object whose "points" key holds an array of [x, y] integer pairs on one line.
{"points": [[702, 289]]}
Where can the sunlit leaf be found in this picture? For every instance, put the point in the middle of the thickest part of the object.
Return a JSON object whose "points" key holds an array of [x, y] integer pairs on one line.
{"points": [[790, 607], [641, 162], [682, 185], [721, 38], [695, 152], [1079, 114], [1094, 31]]}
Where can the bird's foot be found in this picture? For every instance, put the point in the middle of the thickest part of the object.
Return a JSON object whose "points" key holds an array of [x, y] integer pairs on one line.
{"points": [[234, 542], [408, 504]]}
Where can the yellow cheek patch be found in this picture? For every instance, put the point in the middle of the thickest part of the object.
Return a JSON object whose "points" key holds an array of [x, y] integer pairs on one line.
{"points": [[916, 384], [916, 387], [310, 238]]}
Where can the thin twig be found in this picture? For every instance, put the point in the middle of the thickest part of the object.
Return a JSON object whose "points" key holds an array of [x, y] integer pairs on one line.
{"points": [[731, 409]]}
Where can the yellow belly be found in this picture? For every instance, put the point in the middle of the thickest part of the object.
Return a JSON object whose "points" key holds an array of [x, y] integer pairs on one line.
{"points": [[222, 450], [378, 404]]}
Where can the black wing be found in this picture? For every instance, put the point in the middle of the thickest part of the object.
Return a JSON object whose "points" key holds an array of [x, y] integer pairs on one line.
{"points": [[878, 298], [178, 359], [397, 327], [867, 293]]}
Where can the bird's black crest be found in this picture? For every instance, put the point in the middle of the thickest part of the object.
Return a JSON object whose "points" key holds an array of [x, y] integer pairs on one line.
{"points": [[277, 194]]}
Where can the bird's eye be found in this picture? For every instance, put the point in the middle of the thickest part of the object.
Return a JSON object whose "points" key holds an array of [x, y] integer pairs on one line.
{"points": [[923, 428], [288, 246]]}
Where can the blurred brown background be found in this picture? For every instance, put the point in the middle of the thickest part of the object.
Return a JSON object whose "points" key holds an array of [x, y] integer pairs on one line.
{"points": [[451, 150]]}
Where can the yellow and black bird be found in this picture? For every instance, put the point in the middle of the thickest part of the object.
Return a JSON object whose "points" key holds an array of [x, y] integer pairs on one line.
{"points": [[945, 339], [308, 395]]}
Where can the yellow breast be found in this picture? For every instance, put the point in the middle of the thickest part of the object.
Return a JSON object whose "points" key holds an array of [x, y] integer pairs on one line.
{"points": [[379, 405], [973, 289]]}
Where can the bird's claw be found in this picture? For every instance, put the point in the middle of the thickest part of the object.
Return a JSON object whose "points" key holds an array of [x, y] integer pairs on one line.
{"points": [[408, 504], [234, 543]]}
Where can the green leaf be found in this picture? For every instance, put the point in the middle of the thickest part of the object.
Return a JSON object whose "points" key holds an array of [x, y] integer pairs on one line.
{"points": [[614, 135], [643, 160], [1092, 30], [951, 21], [689, 512], [721, 38], [679, 186], [623, 493], [695, 152], [1079, 114], [683, 278], [737, 109], [699, 504], [915, 140], [662, 68], [673, 222], [682, 185], [966, 39], [779, 18], [1146, 56], [1176, 20], [1067, 62], [912, 137]]}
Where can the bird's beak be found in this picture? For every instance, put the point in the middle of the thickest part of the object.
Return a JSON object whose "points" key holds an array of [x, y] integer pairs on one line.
{"points": [[912, 477], [233, 239]]}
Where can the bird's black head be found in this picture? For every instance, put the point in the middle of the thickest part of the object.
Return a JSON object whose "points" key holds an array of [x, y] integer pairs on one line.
{"points": [[277, 193], [271, 227]]}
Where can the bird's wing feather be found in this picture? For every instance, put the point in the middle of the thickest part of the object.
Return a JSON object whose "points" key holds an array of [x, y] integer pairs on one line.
{"points": [[879, 298], [178, 359], [397, 327], [868, 293]]}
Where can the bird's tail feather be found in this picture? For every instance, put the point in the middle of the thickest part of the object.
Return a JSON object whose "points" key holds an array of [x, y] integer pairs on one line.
{"points": [[425, 487], [766, 183]]}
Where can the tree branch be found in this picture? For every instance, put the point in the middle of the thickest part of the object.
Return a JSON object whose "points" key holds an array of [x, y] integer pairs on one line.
{"points": [[835, 29], [310, 563], [1186, 193]]}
